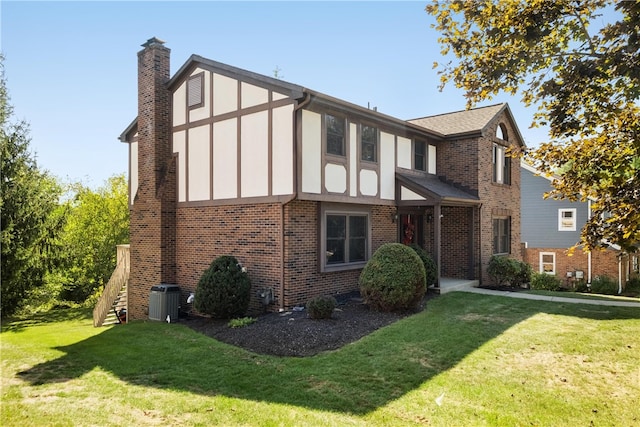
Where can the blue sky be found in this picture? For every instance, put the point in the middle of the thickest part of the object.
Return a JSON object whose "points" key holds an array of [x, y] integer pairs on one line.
{"points": [[71, 66]]}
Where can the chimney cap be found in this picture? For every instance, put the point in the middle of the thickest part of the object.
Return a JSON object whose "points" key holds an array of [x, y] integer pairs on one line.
{"points": [[153, 41]]}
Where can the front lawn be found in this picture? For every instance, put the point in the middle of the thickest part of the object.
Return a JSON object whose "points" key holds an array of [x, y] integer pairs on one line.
{"points": [[468, 359]]}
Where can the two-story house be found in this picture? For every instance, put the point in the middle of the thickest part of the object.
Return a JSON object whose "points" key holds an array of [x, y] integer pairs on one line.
{"points": [[550, 228], [302, 187]]}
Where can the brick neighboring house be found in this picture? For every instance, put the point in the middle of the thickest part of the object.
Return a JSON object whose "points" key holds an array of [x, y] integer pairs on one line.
{"points": [[551, 227], [302, 187]]}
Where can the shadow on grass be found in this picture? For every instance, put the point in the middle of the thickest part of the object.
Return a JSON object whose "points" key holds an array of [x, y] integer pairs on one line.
{"points": [[356, 379], [18, 323]]}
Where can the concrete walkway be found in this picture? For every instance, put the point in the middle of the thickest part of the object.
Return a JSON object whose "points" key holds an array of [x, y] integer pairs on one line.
{"points": [[524, 295]]}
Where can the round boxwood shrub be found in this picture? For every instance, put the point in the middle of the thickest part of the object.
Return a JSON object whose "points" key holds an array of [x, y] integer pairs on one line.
{"points": [[430, 267], [393, 279], [223, 290], [321, 307]]}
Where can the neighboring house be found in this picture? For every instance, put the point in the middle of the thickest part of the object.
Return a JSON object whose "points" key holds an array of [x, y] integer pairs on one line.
{"points": [[551, 227], [302, 187]]}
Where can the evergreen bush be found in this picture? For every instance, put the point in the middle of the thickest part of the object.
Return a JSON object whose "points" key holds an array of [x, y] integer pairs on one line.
{"points": [[430, 267], [321, 307], [545, 282], [223, 290], [393, 279], [604, 285]]}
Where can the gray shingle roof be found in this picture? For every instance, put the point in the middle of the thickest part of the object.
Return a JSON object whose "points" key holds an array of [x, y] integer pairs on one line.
{"points": [[431, 187], [460, 122]]}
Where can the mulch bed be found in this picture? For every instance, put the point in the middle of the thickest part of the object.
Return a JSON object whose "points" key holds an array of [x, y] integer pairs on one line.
{"points": [[293, 333]]}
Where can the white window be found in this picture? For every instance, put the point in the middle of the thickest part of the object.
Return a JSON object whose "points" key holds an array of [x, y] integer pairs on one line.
{"points": [[501, 165], [566, 220], [548, 262], [345, 238]]}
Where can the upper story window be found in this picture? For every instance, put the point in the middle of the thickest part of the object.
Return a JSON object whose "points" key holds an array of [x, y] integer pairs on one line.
{"points": [[335, 134], [501, 235], [566, 220], [195, 91], [501, 165], [420, 156], [369, 139], [501, 132]]}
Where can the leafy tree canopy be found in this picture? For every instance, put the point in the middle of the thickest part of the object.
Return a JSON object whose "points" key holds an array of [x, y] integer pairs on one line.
{"points": [[31, 215], [98, 221], [579, 62]]}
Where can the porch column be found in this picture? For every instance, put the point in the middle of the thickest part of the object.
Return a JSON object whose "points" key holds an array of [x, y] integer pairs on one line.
{"points": [[437, 231]]}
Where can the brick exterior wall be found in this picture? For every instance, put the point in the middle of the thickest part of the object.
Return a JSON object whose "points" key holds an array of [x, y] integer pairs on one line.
{"points": [[252, 233], [303, 278], [603, 263], [469, 164], [498, 200], [152, 224]]}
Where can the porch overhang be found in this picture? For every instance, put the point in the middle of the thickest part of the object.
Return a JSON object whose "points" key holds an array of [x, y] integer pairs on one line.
{"points": [[429, 190]]}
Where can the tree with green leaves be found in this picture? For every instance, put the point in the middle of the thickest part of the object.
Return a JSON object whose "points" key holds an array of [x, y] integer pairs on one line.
{"points": [[98, 221], [578, 61], [31, 217]]}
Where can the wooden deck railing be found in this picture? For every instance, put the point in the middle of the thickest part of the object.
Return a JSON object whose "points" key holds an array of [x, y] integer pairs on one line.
{"points": [[118, 280]]}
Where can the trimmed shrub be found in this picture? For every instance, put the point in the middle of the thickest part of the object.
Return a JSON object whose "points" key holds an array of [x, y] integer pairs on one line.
{"points": [[523, 275], [545, 282], [581, 286], [393, 279], [321, 307], [604, 285], [223, 290], [632, 288], [430, 267], [503, 270]]}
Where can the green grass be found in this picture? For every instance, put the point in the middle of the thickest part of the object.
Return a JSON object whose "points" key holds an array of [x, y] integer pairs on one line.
{"points": [[582, 295], [491, 360]]}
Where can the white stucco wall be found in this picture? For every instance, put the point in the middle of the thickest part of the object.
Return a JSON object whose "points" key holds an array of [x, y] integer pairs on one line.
{"points": [[253, 95], [225, 159], [404, 152], [282, 150], [199, 169], [311, 152], [179, 146], [254, 155], [335, 178], [225, 94], [387, 166], [368, 182]]}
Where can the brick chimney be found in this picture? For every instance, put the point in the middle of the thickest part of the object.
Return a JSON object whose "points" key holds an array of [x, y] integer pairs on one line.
{"points": [[152, 224]]}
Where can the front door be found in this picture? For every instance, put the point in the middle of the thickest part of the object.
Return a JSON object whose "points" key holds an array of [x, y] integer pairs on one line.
{"points": [[411, 229]]}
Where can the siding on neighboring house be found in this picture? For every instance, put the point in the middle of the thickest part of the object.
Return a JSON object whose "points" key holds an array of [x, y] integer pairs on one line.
{"points": [[541, 215]]}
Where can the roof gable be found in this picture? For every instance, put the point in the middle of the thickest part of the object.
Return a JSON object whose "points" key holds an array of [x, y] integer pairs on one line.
{"points": [[467, 122]]}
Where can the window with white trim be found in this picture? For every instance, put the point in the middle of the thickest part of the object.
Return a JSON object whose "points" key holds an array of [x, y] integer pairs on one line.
{"points": [[501, 165], [548, 262], [345, 238], [566, 220]]}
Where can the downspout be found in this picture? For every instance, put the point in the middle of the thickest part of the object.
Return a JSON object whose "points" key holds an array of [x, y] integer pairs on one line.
{"points": [[293, 196], [589, 253], [619, 274]]}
